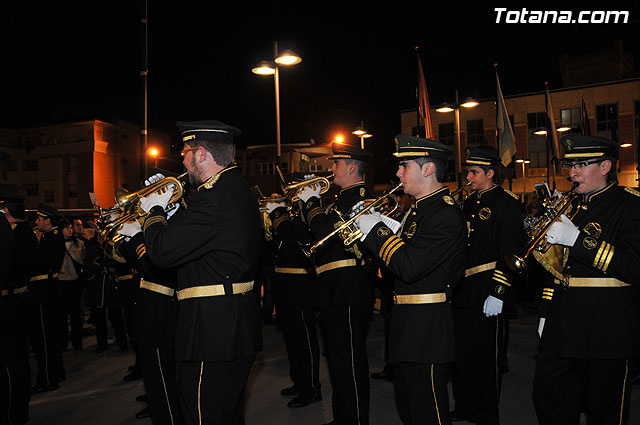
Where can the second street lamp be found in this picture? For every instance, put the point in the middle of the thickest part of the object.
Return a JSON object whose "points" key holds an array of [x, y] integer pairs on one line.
{"points": [[362, 134], [287, 58]]}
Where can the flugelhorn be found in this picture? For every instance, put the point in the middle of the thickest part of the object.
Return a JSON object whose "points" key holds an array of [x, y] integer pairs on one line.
{"points": [[348, 231], [460, 194], [568, 204], [291, 190]]}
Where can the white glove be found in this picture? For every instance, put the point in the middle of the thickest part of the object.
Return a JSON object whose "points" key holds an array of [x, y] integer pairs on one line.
{"points": [[309, 192], [172, 211], [309, 176], [153, 179], [273, 205], [129, 230], [540, 327], [563, 232], [492, 306], [366, 222], [156, 199]]}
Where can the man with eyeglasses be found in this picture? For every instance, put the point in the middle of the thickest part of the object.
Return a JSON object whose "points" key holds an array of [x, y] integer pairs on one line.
{"points": [[215, 246], [591, 330]]}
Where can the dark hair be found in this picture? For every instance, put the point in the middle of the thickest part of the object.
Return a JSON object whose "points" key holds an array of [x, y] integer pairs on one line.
{"points": [[612, 175], [441, 166], [222, 151], [361, 166], [497, 174]]}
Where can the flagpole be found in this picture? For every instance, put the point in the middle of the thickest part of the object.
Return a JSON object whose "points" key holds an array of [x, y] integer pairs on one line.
{"points": [[550, 161]]}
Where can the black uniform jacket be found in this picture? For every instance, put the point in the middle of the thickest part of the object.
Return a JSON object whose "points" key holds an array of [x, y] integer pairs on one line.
{"points": [[495, 228], [25, 247], [48, 260], [292, 285], [427, 257], [344, 285], [215, 240], [155, 312], [600, 322]]}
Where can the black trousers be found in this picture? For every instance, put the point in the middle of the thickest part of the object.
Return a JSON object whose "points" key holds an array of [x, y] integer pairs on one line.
{"points": [[15, 371], [421, 393], [212, 393], [345, 329], [301, 340], [71, 299], [481, 358], [117, 323], [159, 374], [562, 386], [45, 340]]}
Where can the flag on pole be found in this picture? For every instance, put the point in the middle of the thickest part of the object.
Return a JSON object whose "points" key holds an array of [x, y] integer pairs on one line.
{"points": [[552, 134], [423, 102], [506, 138], [584, 120]]}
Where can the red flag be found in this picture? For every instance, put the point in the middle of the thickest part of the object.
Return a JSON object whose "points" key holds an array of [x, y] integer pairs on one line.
{"points": [[423, 103]]}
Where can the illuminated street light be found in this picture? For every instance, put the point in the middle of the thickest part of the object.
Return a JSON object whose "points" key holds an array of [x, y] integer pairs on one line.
{"points": [[287, 58], [154, 152], [362, 134], [455, 107], [626, 145], [523, 161]]}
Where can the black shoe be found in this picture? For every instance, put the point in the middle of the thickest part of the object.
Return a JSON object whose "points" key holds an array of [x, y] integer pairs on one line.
{"points": [[39, 389], [292, 390], [144, 413], [142, 398], [457, 417], [132, 376], [301, 401]]}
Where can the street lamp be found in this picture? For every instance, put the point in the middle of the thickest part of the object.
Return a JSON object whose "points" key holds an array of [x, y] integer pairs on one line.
{"points": [[524, 176], [287, 58], [154, 152], [362, 134], [455, 107]]}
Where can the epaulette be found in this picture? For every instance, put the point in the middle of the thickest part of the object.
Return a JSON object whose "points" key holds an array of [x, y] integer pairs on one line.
{"points": [[632, 191], [516, 197]]}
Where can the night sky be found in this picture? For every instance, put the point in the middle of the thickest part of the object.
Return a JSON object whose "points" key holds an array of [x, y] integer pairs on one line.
{"points": [[75, 60]]}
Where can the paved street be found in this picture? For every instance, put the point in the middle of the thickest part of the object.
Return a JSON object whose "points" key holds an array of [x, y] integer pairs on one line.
{"points": [[94, 392]]}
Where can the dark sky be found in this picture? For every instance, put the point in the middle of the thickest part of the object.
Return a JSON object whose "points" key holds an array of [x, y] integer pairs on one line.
{"points": [[69, 60]]}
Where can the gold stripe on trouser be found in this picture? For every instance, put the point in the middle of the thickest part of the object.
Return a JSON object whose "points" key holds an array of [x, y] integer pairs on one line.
{"points": [[42, 277], [595, 282], [164, 385], [353, 368], [125, 277], [624, 388], [336, 265], [213, 290], [306, 329], [160, 289], [293, 270], [479, 269], [438, 297], [435, 397], [46, 356], [199, 385]]}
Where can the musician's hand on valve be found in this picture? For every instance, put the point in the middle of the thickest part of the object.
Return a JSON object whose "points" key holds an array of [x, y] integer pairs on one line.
{"points": [[172, 211], [563, 232], [129, 230], [308, 192], [156, 199], [309, 176], [271, 206], [155, 178], [492, 306], [366, 222]]}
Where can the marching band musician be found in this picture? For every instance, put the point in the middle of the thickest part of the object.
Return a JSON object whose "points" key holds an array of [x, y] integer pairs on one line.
{"points": [[591, 331], [215, 246], [15, 370], [427, 259], [44, 301], [154, 322], [494, 220], [345, 283], [294, 289]]}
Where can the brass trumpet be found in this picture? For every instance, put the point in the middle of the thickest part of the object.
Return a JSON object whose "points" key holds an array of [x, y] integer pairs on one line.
{"points": [[537, 242], [291, 190], [348, 231], [460, 194]]}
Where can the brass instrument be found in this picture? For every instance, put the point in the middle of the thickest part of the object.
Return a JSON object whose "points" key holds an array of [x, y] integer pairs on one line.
{"points": [[460, 194], [551, 257], [127, 206], [291, 190], [347, 230]]}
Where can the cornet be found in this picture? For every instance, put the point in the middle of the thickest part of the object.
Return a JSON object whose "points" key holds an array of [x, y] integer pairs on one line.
{"points": [[348, 231], [460, 194], [291, 191]]}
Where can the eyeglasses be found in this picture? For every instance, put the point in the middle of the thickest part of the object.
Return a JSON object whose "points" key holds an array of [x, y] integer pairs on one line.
{"points": [[580, 164], [183, 152]]}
